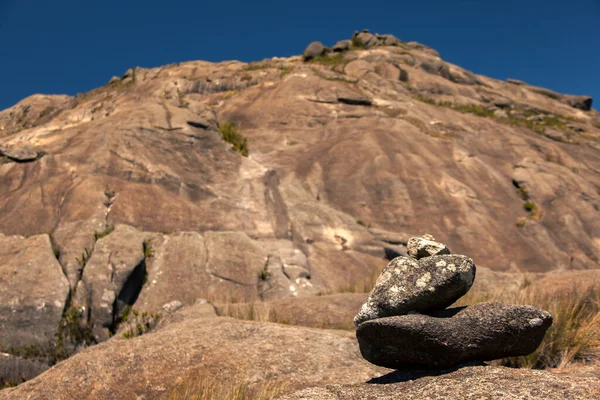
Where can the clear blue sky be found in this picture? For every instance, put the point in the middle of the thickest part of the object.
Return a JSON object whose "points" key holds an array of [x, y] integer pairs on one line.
{"points": [[69, 46]]}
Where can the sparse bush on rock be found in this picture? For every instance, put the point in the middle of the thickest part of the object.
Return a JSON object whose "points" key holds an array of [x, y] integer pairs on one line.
{"points": [[229, 132]]}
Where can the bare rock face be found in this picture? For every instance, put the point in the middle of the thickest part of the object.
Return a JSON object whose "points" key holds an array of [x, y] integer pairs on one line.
{"points": [[406, 285], [75, 240], [477, 382], [299, 357], [425, 246], [33, 292], [581, 102], [20, 153], [480, 332], [175, 260], [425, 158], [113, 277]]}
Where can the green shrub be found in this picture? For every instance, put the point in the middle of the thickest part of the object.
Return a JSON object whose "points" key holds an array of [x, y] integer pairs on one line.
{"points": [[529, 206], [284, 70], [473, 109], [148, 252], [357, 43], [230, 134], [137, 322], [426, 100]]}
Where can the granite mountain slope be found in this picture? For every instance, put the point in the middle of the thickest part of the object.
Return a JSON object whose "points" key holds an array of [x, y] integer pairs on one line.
{"points": [[127, 196]]}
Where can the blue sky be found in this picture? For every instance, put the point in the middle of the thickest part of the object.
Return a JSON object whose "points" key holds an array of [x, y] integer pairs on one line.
{"points": [[68, 46]]}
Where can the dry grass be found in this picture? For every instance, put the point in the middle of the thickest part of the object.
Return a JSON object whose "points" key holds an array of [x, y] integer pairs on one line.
{"points": [[233, 387], [575, 332], [538, 126], [266, 312]]}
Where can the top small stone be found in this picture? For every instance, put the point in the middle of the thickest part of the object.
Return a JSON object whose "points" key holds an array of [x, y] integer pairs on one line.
{"points": [[425, 246]]}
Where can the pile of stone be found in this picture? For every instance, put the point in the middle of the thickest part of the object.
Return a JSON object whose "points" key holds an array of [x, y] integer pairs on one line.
{"points": [[363, 40], [404, 321]]}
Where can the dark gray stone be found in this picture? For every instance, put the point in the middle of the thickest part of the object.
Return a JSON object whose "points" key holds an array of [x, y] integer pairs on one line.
{"points": [[342, 45], [406, 285], [481, 332], [368, 39], [315, 49], [403, 75], [390, 40], [436, 67], [503, 102]]}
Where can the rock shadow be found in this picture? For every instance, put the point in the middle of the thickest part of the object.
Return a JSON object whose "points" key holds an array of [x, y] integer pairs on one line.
{"points": [[411, 374]]}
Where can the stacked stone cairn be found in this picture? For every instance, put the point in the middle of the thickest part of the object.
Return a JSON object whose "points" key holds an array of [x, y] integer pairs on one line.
{"points": [[405, 323]]}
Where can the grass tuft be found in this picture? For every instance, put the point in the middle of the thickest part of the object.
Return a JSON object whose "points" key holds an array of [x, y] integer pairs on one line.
{"points": [[357, 43], [331, 60], [225, 387], [529, 206], [104, 233], [520, 118], [229, 132], [575, 333], [148, 250]]}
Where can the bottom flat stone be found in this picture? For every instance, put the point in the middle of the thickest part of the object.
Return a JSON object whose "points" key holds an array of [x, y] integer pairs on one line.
{"points": [[480, 332]]}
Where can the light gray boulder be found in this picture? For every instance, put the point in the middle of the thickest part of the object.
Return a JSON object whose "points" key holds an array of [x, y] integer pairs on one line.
{"points": [[429, 284]]}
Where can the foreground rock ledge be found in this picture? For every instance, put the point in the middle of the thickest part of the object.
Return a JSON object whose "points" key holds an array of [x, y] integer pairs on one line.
{"points": [[479, 382], [481, 332], [189, 345]]}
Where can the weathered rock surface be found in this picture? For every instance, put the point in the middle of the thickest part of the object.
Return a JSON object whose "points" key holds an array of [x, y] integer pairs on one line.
{"points": [[477, 382], [74, 240], [390, 40], [113, 277], [367, 39], [313, 50], [406, 285], [581, 102], [151, 365], [480, 332], [20, 154], [33, 292], [426, 246], [342, 45], [145, 151], [177, 261]]}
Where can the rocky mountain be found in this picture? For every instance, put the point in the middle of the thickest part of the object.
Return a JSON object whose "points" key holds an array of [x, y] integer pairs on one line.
{"points": [[285, 178]]}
